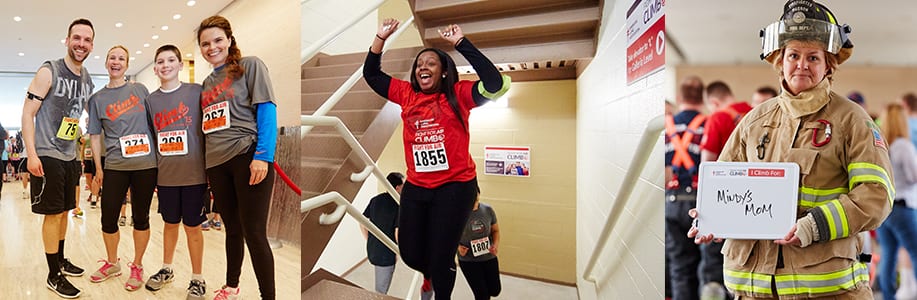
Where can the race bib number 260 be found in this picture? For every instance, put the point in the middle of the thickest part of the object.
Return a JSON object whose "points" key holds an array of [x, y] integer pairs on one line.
{"points": [[430, 157], [173, 142]]}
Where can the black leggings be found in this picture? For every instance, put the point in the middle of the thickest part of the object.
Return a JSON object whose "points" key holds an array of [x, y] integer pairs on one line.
{"points": [[244, 210], [430, 227], [116, 184], [483, 277]]}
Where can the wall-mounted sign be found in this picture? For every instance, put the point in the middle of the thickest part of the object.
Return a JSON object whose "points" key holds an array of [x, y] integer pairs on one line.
{"points": [[507, 160], [645, 39]]}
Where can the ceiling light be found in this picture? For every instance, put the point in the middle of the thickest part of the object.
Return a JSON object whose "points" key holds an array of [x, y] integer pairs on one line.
{"points": [[165, 27], [176, 17], [146, 45], [96, 57], [119, 24], [17, 18], [188, 54], [155, 37], [62, 41], [21, 54], [133, 58], [139, 52], [191, 3]]}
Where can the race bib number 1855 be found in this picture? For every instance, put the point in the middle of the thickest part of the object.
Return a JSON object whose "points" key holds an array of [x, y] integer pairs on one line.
{"points": [[430, 157]]}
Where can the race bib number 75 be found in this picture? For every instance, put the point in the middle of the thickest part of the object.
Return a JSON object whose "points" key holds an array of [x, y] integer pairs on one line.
{"points": [[430, 157], [67, 130]]}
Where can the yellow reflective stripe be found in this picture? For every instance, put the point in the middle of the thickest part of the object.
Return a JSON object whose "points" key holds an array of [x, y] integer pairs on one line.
{"points": [[795, 284], [862, 172], [837, 219], [493, 96], [812, 197], [747, 281]]}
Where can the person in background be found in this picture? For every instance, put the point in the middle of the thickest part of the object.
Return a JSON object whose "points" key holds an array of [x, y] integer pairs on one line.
{"points": [[477, 251], [383, 212], [89, 170], [762, 94]]}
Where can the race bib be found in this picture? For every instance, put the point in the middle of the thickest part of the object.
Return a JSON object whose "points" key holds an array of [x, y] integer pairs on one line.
{"points": [[430, 157], [173, 143], [87, 153], [135, 145], [216, 117], [480, 246], [68, 127]]}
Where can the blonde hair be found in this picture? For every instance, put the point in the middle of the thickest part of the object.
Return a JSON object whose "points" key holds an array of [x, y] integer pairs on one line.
{"points": [[127, 61], [831, 60], [894, 123]]}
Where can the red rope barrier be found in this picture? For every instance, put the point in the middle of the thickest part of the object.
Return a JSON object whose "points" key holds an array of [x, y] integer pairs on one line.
{"points": [[287, 179]]}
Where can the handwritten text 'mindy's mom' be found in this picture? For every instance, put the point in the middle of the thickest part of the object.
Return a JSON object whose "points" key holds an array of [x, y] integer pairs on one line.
{"points": [[725, 197]]}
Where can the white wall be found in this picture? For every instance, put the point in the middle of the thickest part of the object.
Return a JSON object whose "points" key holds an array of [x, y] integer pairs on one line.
{"points": [[347, 246], [320, 18], [611, 117]]}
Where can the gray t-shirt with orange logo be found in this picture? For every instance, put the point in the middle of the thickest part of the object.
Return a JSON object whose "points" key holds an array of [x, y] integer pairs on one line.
{"points": [[121, 113], [229, 122], [477, 235], [176, 119]]}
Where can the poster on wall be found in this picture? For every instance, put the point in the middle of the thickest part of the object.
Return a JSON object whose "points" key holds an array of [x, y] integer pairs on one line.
{"points": [[645, 39], [507, 161]]}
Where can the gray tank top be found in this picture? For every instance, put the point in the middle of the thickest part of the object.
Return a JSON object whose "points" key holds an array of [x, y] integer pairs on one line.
{"points": [[57, 120], [121, 113], [177, 123]]}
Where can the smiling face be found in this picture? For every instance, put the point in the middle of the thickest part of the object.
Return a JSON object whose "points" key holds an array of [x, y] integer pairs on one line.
{"points": [[214, 46], [167, 65], [428, 72], [116, 62], [804, 65], [79, 42]]}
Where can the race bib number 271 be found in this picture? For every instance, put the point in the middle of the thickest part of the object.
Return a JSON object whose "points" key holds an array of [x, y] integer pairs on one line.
{"points": [[135, 145]]}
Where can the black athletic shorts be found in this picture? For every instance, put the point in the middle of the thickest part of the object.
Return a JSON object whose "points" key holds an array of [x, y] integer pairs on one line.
{"points": [[54, 193]]}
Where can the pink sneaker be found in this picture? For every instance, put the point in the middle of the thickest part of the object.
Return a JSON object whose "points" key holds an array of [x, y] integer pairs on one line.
{"points": [[107, 270], [228, 293], [136, 280]]}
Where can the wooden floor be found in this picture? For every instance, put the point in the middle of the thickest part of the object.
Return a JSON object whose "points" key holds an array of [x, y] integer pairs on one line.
{"points": [[23, 268]]}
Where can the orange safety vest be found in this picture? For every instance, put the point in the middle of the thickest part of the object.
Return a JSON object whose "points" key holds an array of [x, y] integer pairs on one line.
{"points": [[682, 158]]}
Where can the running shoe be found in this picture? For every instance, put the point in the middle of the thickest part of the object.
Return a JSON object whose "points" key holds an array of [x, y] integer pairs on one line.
{"points": [[77, 212], [217, 225], [122, 221], [206, 225], [133, 283], [69, 269], [158, 280], [62, 287], [107, 270], [197, 290], [226, 293], [92, 204]]}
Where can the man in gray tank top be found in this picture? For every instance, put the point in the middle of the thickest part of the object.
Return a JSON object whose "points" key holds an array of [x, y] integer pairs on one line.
{"points": [[50, 117]]}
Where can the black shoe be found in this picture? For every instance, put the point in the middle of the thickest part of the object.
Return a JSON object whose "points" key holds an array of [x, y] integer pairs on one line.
{"points": [[69, 269], [59, 284]]}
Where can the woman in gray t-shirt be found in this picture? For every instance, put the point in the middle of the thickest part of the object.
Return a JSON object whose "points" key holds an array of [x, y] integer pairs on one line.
{"points": [[240, 127], [117, 114], [477, 251]]}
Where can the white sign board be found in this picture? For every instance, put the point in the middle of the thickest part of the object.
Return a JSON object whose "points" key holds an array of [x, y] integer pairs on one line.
{"points": [[747, 200], [507, 160]]}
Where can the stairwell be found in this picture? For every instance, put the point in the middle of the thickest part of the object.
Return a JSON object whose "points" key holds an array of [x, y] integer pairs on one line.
{"points": [[327, 161]]}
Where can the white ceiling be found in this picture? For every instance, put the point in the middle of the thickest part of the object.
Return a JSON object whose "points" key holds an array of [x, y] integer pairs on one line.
{"points": [[44, 24], [726, 31]]}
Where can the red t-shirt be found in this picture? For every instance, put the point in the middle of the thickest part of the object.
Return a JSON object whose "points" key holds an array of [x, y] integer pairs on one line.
{"points": [[720, 125], [435, 142]]}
